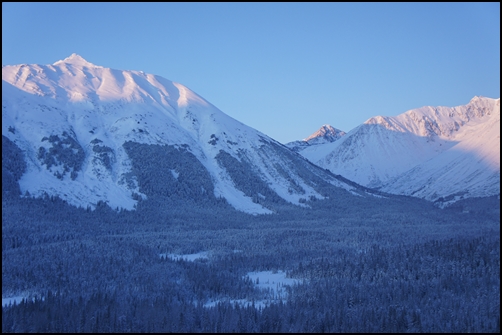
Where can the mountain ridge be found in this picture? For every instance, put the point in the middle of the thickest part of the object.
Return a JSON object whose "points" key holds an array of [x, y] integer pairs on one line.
{"points": [[325, 134], [411, 154], [72, 119]]}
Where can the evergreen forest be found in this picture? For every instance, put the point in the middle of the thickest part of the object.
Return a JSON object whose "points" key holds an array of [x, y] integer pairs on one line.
{"points": [[360, 264]]}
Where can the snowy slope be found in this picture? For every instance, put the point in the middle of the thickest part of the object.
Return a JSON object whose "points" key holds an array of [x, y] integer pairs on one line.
{"points": [[470, 168], [72, 118], [429, 152]]}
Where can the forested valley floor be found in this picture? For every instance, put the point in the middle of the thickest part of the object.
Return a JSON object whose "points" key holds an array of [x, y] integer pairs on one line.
{"points": [[372, 267]]}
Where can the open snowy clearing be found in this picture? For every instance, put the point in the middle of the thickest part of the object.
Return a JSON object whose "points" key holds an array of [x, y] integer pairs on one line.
{"points": [[273, 283], [10, 301], [186, 257]]}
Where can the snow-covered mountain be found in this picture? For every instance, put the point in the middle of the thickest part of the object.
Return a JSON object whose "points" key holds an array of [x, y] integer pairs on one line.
{"points": [[435, 153], [325, 134], [89, 134]]}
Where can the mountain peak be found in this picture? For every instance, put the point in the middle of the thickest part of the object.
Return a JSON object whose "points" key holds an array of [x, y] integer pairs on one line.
{"points": [[476, 98], [75, 59], [326, 132], [94, 130]]}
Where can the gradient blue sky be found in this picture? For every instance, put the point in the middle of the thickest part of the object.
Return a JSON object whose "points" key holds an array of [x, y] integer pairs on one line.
{"points": [[284, 69]]}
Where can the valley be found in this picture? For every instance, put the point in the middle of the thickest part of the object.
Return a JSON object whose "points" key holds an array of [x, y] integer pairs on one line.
{"points": [[132, 204]]}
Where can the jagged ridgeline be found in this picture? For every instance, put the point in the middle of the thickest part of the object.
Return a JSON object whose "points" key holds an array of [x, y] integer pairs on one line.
{"points": [[98, 135], [441, 154]]}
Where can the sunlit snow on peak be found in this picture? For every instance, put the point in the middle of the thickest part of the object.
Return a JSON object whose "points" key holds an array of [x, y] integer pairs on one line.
{"points": [[429, 152], [94, 103], [75, 59]]}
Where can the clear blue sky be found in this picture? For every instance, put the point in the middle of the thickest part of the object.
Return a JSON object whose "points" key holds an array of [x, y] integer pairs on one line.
{"points": [[282, 68]]}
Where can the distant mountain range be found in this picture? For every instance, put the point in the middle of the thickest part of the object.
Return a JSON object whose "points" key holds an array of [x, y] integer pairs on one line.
{"points": [[441, 154], [92, 135]]}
